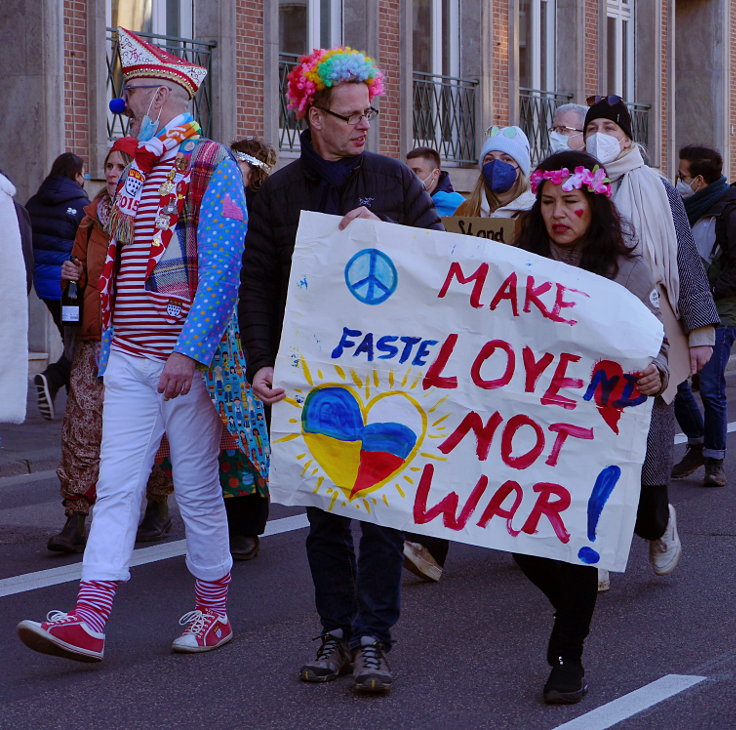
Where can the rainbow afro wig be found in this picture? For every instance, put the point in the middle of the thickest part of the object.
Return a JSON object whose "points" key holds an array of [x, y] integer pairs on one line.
{"points": [[325, 68]]}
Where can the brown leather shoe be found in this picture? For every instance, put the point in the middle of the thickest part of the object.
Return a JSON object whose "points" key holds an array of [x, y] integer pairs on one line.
{"points": [[71, 539], [715, 474], [243, 547]]}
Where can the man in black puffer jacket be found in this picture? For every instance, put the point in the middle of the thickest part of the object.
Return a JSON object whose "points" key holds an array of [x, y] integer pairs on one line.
{"points": [[56, 211], [333, 175]]}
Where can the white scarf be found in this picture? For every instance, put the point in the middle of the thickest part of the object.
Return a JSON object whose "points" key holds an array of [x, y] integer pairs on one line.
{"points": [[641, 198], [519, 204], [14, 308]]}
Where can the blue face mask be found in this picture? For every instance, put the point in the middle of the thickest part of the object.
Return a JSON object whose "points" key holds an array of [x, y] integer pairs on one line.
{"points": [[148, 129], [500, 176]]}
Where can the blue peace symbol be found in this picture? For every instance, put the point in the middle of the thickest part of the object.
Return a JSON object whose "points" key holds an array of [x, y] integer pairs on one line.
{"points": [[371, 276]]}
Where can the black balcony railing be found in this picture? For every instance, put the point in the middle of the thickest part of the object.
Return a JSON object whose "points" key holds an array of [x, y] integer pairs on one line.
{"points": [[536, 111], [444, 115], [289, 126], [640, 123], [198, 52]]}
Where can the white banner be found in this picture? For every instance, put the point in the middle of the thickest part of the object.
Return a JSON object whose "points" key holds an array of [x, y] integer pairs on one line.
{"points": [[453, 386]]}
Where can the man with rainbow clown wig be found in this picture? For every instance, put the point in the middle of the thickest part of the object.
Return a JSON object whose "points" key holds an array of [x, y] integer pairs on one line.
{"points": [[333, 90], [168, 293]]}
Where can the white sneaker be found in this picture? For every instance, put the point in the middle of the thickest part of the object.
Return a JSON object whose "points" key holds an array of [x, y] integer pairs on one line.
{"points": [[604, 580], [664, 554], [419, 561]]}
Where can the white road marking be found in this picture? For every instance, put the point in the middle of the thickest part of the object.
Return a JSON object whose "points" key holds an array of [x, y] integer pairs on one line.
{"points": [[633, 703], [680, 438], [67, 573]]}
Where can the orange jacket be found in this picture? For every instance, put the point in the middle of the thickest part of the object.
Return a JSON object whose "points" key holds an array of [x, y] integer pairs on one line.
{"points": [[90, 247]]}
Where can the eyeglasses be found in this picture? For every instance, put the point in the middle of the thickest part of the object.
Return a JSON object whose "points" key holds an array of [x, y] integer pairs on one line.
{"points": [[611, 99], [353, 119], [494, 130], [127, 89], [561, 129]]}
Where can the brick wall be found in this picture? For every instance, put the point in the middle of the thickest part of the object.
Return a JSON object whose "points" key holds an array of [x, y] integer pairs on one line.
{"points": [[500, 71], [592, 48], [249, 68], [389, 61], [663, 158], [76, 93], [731, 126]]}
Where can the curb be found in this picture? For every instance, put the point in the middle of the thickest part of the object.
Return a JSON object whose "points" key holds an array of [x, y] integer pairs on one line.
{"points": [[29, 462]]}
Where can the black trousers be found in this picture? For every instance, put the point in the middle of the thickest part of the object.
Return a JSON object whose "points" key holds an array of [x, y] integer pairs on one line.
{"points": [[653, 512], [246, 515], [572, 590], [57, 373]]}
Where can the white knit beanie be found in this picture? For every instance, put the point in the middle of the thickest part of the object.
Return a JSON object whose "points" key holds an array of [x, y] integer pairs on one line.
{"points": [[513, 142]]}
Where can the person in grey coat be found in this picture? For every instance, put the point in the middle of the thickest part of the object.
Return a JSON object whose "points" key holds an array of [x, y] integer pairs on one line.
{"points": [[655, 211]]}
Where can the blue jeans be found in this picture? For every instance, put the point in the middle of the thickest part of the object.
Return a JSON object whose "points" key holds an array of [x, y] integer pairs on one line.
{"points": [[362, 600], [708, 428]]}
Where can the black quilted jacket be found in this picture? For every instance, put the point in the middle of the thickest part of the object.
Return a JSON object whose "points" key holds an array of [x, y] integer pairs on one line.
{"points": [[386, 186]]}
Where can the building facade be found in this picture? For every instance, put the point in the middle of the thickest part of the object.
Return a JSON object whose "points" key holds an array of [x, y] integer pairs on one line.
{"points": [[453, 68]]}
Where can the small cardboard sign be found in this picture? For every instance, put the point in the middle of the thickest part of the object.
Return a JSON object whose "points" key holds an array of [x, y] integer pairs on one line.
{"points": [[502, 230]]}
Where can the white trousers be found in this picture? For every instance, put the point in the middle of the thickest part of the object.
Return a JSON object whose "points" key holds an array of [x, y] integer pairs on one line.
{"points": [[134, 418]]}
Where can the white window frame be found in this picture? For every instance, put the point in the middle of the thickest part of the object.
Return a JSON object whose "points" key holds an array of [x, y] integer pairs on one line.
{"points": [[620, 11], [314, 21], [158, 17], [440, 37], [542, 69]]}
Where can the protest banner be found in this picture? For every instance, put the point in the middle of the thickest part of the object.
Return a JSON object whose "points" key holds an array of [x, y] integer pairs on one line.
{"points": [[494, 229], [449, 385]]}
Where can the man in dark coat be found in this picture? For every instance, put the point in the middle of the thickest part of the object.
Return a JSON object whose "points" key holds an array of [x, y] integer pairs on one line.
{"points": [[56, 211], [710, 203], [334, 174]]}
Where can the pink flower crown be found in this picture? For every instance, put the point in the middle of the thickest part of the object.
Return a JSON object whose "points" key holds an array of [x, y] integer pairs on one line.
{"points": [[331, 67], [595, 180]]}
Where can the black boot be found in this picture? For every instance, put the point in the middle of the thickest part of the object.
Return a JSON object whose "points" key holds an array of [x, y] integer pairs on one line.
{"points": [[71, 539], [566, 684], [156, 522]]}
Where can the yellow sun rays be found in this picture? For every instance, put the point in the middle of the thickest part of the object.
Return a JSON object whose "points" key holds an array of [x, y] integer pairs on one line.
{"points": [[370, 386]]}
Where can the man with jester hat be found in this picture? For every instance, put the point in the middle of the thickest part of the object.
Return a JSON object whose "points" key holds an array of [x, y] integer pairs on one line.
{"points": [[168, 294]]}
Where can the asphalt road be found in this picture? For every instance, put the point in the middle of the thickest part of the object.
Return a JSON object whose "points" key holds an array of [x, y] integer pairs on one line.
{"points": [[469, 653]]}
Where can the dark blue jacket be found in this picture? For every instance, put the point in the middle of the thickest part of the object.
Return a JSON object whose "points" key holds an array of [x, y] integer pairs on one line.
{"points": [[56, 211]]}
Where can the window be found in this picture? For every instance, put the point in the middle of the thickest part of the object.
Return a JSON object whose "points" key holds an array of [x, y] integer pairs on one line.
{"points": [[163, 17], [620, 51], [537, 44], [435, 37], [308, 24], [303, 25]]}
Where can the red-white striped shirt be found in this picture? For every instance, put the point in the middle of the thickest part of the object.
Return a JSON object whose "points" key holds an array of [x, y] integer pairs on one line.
{"points": [[144, 323]]}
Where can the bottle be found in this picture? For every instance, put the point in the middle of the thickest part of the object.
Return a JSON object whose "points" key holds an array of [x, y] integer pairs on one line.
{"points": [[71, 304]]}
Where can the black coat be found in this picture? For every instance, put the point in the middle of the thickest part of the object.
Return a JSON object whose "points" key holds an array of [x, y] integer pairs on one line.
{"points": [[384, 185], [56, 211]]}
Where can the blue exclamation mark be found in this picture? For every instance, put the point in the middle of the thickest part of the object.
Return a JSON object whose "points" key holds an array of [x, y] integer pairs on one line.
{"points": [[602, 489]]}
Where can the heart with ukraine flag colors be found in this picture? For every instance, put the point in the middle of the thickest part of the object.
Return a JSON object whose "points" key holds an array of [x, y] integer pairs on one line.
{"points": [[360, 446]]}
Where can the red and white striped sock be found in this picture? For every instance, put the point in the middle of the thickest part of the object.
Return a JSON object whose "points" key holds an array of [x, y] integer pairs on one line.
{"points": [[94, 602], [212, 594]]}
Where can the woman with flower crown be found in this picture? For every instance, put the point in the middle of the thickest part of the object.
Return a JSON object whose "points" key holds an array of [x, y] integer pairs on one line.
{"points": [[502, 190], [574, 220], [655, 211]]}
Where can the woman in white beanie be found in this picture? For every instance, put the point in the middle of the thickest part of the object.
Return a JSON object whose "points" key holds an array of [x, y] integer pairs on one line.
{"points": [[502, 190]]}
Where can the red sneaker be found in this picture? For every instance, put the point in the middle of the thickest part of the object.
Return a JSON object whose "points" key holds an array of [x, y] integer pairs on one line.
{"points": [[206, 631], [65, 635]]}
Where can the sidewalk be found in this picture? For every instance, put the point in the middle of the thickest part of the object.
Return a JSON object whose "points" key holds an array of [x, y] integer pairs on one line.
{"points": [[34, 445]]}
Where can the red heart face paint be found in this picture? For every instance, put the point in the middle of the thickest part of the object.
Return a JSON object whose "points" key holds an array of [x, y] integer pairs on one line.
{"points": [[566, 214]]}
